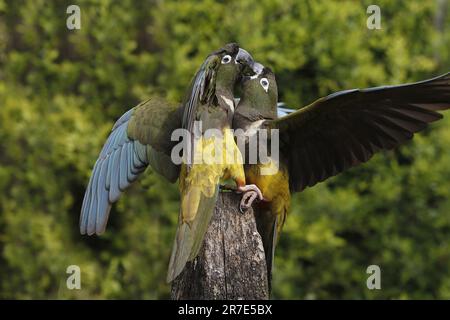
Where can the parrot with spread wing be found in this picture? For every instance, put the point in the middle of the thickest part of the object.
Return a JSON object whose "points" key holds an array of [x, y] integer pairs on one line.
{"points": [[208, 114], [327, 137], [142, 137]]}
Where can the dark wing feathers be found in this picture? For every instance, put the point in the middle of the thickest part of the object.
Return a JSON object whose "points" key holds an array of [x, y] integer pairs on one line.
{"points": [[346, 128], [200, 92], [193, 99]]}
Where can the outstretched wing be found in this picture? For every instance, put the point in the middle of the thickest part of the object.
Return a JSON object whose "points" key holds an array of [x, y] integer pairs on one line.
{"points": [[346, 128], [141, 137]]}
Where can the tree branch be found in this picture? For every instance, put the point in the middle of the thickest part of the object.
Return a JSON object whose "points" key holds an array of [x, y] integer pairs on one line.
{"points": [[231, 264]]}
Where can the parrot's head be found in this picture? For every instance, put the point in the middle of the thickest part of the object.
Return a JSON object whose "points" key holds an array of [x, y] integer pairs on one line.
{"points": [[231, 63], [260, 90], [218, 74]]}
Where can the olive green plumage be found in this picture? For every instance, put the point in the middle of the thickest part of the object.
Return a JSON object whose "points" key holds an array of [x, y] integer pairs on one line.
{"points": [[153, 121], [258, 106], [209, 101], [330, 135]]}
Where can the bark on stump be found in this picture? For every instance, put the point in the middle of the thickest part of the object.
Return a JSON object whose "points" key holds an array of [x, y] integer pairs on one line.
{"points": [[231, 264]]}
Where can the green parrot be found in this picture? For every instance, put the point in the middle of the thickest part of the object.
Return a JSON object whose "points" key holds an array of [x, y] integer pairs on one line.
{"points": [[142, 137], [208, 112], [327, 137]]}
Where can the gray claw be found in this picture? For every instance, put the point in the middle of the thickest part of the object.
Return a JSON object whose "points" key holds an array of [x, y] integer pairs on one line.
{"points": [[247, 200]]}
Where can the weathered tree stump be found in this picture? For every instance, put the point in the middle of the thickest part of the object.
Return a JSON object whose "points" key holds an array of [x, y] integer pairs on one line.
{"points": [[231, 264]]}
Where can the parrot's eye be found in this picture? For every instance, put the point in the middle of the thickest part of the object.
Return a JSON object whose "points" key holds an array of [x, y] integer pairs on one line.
{"points": [[265, 84], [226, 59]]}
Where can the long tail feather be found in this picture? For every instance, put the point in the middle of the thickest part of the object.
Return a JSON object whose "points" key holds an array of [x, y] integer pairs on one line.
{"points": [[189, 237], [266, 223]]}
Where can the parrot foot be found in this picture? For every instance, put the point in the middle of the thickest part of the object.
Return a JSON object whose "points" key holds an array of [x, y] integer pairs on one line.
{"points": [[247, 200], [251, 192]]}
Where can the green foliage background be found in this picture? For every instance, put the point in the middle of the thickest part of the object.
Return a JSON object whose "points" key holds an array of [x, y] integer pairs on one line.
{"points": [[61, 91]]}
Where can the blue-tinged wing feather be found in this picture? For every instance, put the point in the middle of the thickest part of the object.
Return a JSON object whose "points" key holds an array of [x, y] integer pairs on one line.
{"points": [[123, 169], [137, 164], [141, 152], [85, 208], [114, 191], [93, 206], [107, 148], [131, 173], [120, 162], [102, 199], [108, 171]]}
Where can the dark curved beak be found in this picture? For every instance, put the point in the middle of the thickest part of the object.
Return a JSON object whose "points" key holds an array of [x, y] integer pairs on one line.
{"points": [[245, 60], [243, 57]]}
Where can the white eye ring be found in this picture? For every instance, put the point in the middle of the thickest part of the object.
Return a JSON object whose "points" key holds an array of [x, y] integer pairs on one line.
{"points": [[226, 59], [265, 84]]}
